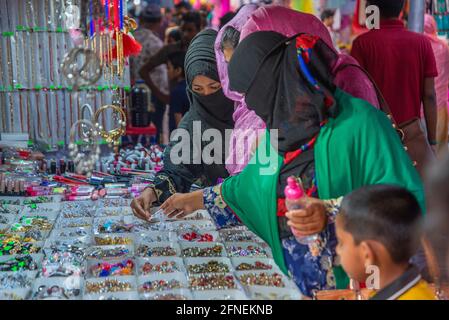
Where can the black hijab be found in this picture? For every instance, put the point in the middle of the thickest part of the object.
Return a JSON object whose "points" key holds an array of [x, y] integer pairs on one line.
{"points": [[265, 68], [213, 112], [215, 109]]}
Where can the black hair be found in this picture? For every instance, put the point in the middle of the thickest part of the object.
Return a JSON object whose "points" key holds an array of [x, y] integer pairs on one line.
{"points": [[175, 34], [177, 60], [183, 4], [328, 13], [226, 18], [231, 38], [192, 17], [385, 213], [388, 8]]}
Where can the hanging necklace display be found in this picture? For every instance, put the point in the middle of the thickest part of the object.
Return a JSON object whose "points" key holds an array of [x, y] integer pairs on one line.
{"points": [[89, 72], [86, 156], [85, 130], [111, 136]]}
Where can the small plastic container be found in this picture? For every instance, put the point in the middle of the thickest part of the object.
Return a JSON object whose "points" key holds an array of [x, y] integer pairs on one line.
{"points": [[10, 209], [124, 284], [204, 282], [162, 282], [157, 249], [109, 252], [113, 225], [219, 295], [191, 263], [74, 223], [260, 250], [175, 265], [254, 264], [129, 295], [8, 218], [156, 236], [29, 276], [71, 232], [272, 293], [231, 235], [179, 294], [36, 258], [194, 235], [284, 281], [92, 263], [201, 225], [188, 251], [71, 285], [113, 239], [113, 212], [15, 294]]}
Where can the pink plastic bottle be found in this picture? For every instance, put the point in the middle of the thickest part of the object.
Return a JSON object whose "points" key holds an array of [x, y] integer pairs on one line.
{"points": [[293, 193]]}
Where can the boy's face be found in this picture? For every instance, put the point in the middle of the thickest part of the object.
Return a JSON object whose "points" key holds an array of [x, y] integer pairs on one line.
{"points": [[173, 73], [350, 253], [189, 31]]}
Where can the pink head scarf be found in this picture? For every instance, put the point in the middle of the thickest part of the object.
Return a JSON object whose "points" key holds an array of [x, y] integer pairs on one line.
{"points": [[246, 122], [441, 52], [287, 22], [430, 25]]}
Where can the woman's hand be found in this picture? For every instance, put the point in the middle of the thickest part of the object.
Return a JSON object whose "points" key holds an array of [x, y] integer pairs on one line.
{"points": [[180, 205], [310, 220], [142, 204]]}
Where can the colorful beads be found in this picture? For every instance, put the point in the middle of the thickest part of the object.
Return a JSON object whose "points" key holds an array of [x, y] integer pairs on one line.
{"points": [[212, 266], [212, 282], [163, 267], [215, 251], [262, 279], [105, 269]]}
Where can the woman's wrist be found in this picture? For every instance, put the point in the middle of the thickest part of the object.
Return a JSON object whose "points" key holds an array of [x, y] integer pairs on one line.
{"points": [[332, 208]]}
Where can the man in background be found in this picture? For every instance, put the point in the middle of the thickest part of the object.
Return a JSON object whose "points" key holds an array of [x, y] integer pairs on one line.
{"points": [[148, 35], [403, 65]]}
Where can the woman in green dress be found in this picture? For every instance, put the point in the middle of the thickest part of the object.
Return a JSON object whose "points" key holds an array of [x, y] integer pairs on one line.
{"points": [[334, 142]]}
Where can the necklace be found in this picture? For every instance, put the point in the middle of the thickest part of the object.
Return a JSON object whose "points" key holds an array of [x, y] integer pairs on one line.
{"points": [[32, 67], [39, 122], [21, 111]]}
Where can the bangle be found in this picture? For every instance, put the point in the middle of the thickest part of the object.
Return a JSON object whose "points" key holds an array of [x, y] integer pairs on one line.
{"points": [[433, 142]]}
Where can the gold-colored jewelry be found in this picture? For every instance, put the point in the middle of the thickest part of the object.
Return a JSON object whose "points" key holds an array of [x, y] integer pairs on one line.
{"points": [[113, 135]]}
